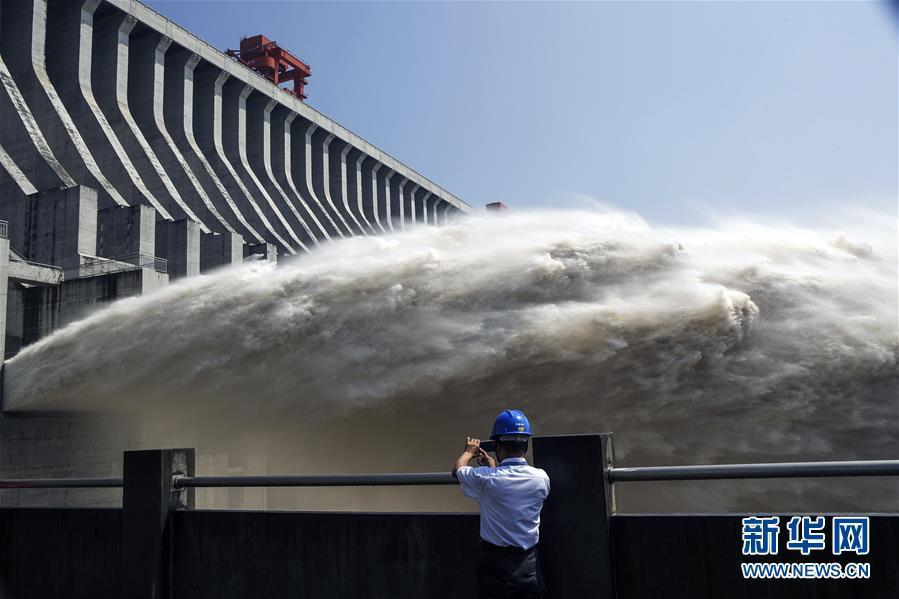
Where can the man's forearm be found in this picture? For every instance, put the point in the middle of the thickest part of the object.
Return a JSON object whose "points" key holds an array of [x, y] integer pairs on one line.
{"points": [[463, 460]]}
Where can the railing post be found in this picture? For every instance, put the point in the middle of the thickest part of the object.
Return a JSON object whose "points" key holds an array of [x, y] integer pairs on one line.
{"points": [[575, 533], [147, 500], [4, 286]]}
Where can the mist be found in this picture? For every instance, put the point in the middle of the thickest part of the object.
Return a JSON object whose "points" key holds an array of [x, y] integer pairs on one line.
{"points": [[739, 342]]}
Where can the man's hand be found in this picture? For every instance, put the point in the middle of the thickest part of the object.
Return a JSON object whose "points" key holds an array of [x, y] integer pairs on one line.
{"points": [[473, 450], [484, 459], [472, 446]]}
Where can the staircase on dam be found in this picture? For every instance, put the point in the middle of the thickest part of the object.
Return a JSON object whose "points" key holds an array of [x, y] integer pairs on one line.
{"points": [[126, 140]]}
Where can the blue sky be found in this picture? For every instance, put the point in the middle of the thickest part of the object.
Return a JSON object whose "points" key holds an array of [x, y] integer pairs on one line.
{"points": [[676, 110]]}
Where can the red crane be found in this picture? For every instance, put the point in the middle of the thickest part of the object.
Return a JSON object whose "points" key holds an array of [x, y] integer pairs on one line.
{"points": [[273, 62]]}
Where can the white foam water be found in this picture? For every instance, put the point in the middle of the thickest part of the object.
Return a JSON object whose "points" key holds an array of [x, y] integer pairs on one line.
{"points": [[740, 342]]}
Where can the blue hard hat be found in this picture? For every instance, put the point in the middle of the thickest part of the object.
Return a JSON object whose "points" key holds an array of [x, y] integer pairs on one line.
{"points": [[511, 423]]}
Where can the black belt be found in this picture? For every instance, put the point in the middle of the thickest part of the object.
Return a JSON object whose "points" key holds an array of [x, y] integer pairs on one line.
{"points": [[490, 547]]}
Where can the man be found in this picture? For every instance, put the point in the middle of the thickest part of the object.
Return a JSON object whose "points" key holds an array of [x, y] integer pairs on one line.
{"points": [[510, 497]]}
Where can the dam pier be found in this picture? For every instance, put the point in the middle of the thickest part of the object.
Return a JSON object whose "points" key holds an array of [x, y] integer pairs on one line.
{"points": [[132, 153]]}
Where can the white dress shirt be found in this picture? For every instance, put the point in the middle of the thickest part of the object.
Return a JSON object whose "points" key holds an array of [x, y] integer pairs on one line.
{"points": [[510, 497]]}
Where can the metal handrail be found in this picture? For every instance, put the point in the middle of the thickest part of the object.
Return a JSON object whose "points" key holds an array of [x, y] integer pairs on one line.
{"points": [[740, 471], [324, 480], [17, 257], [60, 483], [101, 265], [405, 479]]}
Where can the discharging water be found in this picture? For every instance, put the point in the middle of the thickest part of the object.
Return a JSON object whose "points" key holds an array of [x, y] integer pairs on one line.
{"points": [[735, 343]]}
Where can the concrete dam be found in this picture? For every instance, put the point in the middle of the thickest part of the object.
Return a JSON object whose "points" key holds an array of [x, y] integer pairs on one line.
{"points": [[133, 153], [240, 345]]}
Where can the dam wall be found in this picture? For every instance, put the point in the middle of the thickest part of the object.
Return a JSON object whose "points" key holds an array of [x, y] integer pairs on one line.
{"points": [[125, 139]]}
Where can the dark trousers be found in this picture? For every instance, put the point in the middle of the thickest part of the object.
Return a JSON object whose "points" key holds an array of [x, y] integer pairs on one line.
{"points": [[509, 573]]}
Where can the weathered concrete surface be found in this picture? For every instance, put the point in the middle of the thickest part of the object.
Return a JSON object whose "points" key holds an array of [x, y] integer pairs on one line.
{"points": [[25, 157], [179, 243], [411, 217], [235, 141], [369, 196], [126, 232], [56, 226], [402, 203], [256, 157], [395, 201], [381, 197], [276, 160], [356, 180], [342, 182], [146, 96], [389, 199], [109, 81], [220, 249], [317, 147], [15, 174], [261, 251], [33, 274], [24, 145], [440, 210], [210, 129], [301, 153], [4, 289], [70, 25], [180, 105], [424, 205], [22, 45], [294, 153], [47, 309]]}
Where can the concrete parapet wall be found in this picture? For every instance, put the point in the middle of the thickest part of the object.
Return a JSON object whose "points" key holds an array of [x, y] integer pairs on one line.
{"points": [[279, 554], [170, 549], [37, 556], [226, 554], [684, 556]]}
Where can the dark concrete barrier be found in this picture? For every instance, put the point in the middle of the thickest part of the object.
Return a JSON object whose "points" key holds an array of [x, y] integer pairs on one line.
{"points": [[77, 553], [47, 553], [695, 556], [148, 502], [575, 547], [156, 547], [239, 555]]}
